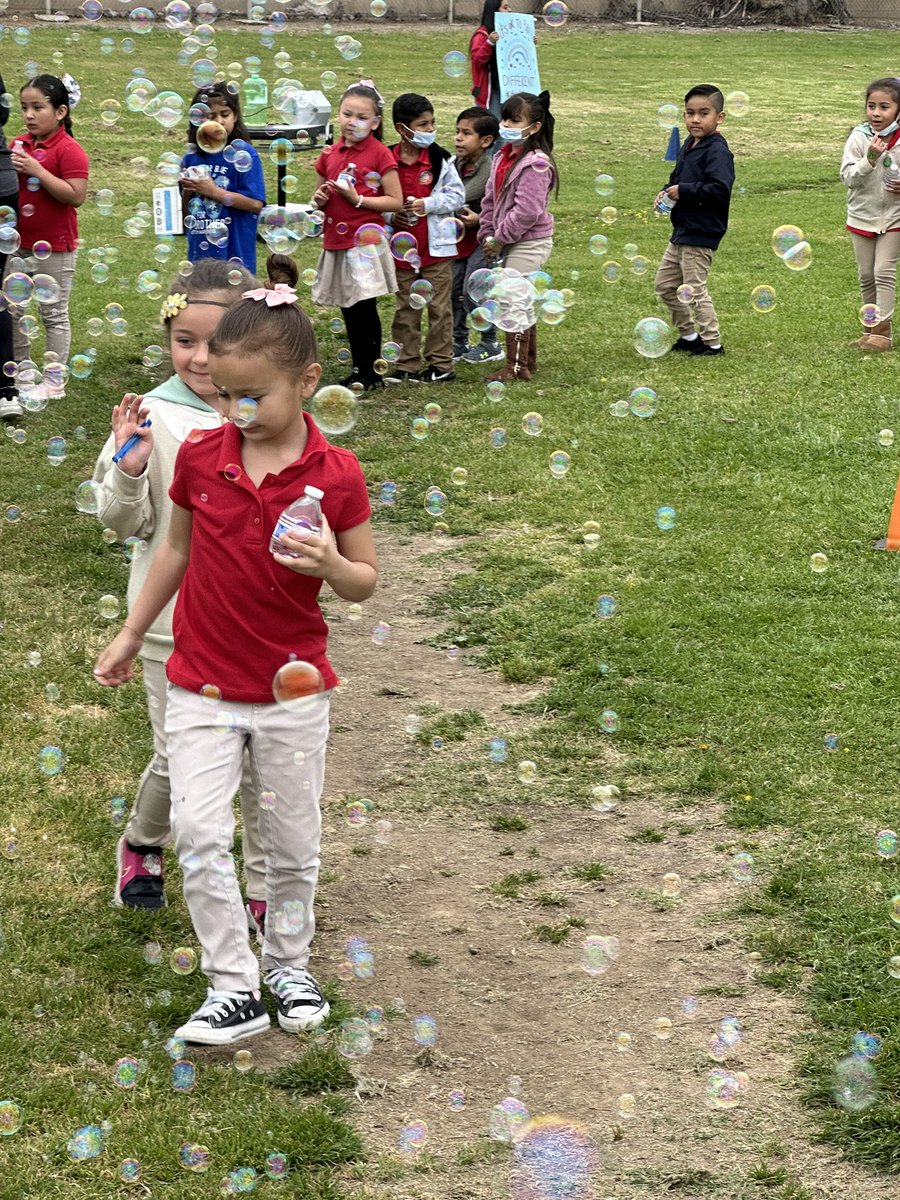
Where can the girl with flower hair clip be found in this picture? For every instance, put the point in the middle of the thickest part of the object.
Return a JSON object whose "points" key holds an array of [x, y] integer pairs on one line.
{"points": [[246, 618], [132, 492]]}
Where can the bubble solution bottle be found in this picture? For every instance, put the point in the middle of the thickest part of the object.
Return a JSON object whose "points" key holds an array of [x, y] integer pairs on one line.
{"points": [[255, 100], [411, 218], [303, 517], [891, 171]]}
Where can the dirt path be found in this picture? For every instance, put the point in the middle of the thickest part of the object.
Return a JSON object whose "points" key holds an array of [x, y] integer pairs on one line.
{"points": [[509, 1005]]}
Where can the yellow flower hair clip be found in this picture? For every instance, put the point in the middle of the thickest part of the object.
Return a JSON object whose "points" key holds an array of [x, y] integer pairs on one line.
{"points": [[172, 306]]}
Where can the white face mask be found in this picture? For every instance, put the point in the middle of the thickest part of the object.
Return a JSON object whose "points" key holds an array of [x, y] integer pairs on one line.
{"points": [[892, 128], [512, 135]]}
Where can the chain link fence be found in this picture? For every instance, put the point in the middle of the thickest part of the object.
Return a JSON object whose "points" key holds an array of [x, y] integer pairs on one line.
{"points": [[796, 13]]}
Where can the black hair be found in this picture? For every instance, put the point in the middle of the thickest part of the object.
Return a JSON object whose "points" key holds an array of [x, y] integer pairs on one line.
{"points": [[711, 92], [889, 84], [219, 91], [409, 106], [368, 93], [56, 92], [483, 121], [534, 109], [488, 12], [283, 333]]}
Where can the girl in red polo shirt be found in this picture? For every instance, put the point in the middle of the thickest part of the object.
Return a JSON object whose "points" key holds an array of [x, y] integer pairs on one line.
{"points": [[243, 618], [358, 183], [53, 177]]}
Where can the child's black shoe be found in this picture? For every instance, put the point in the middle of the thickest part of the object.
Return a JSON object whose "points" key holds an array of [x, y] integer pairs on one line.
{"points": [[706, 351], [688, 345]]}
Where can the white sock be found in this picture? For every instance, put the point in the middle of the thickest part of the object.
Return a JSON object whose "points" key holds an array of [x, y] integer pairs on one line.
{"points": [[690, 337], [715, 345]]}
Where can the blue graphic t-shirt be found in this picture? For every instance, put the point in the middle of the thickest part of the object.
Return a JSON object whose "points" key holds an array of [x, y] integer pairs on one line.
{"points": [[215, 230]]}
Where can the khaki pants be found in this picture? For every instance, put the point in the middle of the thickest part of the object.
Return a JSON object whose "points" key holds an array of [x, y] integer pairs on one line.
{"points": [[61, 265], [150, 820], [876, 262], [287, 762], [407, 326], [690, 265]]}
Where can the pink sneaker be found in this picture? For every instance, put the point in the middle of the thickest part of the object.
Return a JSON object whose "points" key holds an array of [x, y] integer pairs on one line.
{"points": [[140, 876], [256, 918]]}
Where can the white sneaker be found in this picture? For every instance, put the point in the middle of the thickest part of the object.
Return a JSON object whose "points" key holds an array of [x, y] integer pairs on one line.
{"points": [[44, 392], [301, 1005], [10, 406], [225, 1017]]}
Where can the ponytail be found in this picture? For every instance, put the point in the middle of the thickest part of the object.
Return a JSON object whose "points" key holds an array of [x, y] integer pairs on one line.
{"points": [[56, 92]]}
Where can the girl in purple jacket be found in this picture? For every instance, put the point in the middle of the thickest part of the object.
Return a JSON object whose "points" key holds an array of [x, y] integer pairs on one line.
{"points": [[515, 223]]}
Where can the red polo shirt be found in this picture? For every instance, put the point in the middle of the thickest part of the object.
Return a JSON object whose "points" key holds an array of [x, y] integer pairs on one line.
{"points": [[51, 221], [418, 180], [240, 615], [370, 157]]}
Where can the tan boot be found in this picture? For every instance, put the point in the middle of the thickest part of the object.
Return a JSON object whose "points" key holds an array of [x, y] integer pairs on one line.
{"points": [[516, 360], [878, 339]]}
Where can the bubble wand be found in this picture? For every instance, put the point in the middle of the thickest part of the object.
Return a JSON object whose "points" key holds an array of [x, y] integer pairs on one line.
{"points": [[131, 443]]}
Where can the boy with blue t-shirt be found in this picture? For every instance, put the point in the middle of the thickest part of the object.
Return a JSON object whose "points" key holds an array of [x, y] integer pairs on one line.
{"points": [[697, 197]]}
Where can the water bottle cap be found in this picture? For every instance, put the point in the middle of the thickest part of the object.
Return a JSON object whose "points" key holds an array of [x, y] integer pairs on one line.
{"points": [[316, 493]]}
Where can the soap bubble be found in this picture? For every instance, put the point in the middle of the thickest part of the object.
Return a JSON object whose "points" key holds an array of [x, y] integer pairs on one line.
{"points": [[193, 1157], [455, 64], [798, 257], [555, 13], [506, 1119], [869, 315], [662, 1028], [609, 215], [742, 867], [763, 298], [606, 606], [334, 409], [685, 293], [855, 1085], [626, 1106], [276, 1161], [886, 437], [785, 238], [737, 104], [598, 954], [526, 772], [296, 685], [109, 607], [354, 1038], [86, 1142], [667, 115], [560, 462], [723, 1088], [642, 402], [611, 271], [424, 1030], [818, 563], [413, 1137], [532, 424], [243, 1061], [886, 843], [10, 1118], [125, 1072], [665, 517], [183, 1076], [598, 245], [183, 960], [609, 721], [653, 337], [51, 760], [671, 884], [604, 185]]}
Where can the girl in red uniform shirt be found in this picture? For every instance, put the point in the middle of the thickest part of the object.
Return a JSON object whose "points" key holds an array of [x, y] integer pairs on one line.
{"points": [[358, 183], [243, 614], [53, 177]]}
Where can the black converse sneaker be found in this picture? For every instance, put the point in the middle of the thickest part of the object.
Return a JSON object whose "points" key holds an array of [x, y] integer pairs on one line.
{"points": [[225, 1017], [301, 1005]]}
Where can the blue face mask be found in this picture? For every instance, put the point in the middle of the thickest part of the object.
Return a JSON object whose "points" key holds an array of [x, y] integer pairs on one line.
{"points": [[512, 135], [420, 139]]}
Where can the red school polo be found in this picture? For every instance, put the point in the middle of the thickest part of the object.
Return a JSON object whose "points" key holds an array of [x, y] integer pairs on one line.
{"points": [[51, 221], [370, 157], [418, 180], [241, 615]]}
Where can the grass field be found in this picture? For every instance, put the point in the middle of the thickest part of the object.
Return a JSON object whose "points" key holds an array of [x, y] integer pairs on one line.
{"points": [[728, 660]]}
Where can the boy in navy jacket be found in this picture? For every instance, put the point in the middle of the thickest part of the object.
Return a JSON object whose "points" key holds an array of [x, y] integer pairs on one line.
{"points": [[697, 194]]}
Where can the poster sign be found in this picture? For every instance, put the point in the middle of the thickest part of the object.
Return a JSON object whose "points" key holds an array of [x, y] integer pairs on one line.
{"points": [[517, 65]]}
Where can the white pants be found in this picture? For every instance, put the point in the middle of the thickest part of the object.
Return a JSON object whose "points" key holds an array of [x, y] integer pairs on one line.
{"points": [[61, 265], [149, 823], [206, 744]]}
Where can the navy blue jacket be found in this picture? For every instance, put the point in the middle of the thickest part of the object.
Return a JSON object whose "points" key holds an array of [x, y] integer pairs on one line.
{"points": [[704, 173]]}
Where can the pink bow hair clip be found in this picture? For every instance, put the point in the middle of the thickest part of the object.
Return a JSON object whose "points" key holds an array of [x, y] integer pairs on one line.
{"points": [[281, 293], [370, 84]]}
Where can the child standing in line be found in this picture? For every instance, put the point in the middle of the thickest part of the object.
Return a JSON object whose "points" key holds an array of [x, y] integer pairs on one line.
{"points": [[222, 179], [9, 205], [133, 497], [358, 184], [53, 176], [515, 222], [242, 614], [483, 57], [700, 190], [476, 132], [872, 178], [433, 190]]}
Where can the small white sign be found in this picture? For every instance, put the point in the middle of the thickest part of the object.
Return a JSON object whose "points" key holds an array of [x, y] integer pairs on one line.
{"points": [[167, 215]]}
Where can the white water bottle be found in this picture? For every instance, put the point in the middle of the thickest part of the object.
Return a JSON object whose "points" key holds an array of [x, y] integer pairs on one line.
{"points": [[411, 218], [347, 177], [303, 517]]}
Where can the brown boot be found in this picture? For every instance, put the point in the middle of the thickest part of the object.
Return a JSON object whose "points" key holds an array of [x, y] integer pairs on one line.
{"points": [[531, 355], [877, 339], [516, 360]]}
